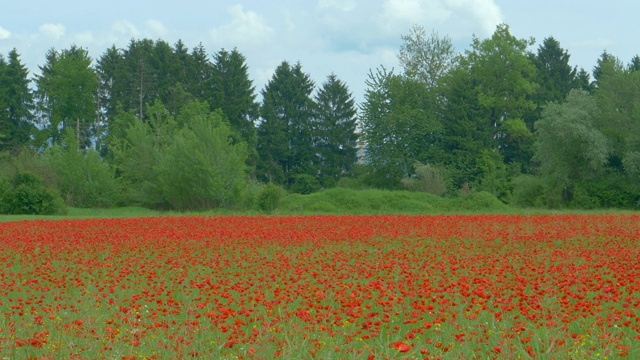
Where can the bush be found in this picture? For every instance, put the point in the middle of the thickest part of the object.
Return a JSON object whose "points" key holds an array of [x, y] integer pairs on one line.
{"points": [[26, 195], [428, 178], [270, 197], [528, 191], [304, 184], [83, 177]]}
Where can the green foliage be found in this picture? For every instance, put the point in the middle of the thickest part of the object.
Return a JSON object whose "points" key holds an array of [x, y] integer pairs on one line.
{"points": [[570, 149], [16, 103], [427, 178], [25, 194], [494, 174], [66, 96], [504, 80], [270, 198], [555, 76], [334, 131], [139, 154], [82, 177], [374, 201], [426, 58], [528, 191], [285, 133], [614, 190], [202, 168], [399, 125], [234, 94], [304, 184]]}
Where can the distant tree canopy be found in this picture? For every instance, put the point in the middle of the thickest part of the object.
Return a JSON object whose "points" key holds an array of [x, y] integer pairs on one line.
{"points": [[165, 126]]}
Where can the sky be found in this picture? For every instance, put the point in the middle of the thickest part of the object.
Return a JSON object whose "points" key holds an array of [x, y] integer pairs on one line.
{"points": [[345, 37]]}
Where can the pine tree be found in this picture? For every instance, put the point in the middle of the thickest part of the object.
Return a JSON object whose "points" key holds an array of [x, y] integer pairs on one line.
{"points": [[16, 103], [285, 134], [233, 93], [335, 136]]}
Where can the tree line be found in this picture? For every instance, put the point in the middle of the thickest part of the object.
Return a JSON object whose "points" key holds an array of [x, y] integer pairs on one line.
{"points": [[167, 127]]}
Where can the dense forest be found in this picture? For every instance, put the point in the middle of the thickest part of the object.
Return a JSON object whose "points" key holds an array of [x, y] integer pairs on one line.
{"points": [[169, 127]]}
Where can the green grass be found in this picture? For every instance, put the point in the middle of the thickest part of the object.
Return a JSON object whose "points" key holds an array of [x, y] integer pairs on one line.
{"points": [[348, 201], [340, 201], [130, 211]]}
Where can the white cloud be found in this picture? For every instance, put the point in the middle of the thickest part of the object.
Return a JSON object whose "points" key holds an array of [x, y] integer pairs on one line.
{"points": [[55, 31], [456, 18], [4, 33], [398, 15], [342, 5], [85, 37], [246, 27], [485, 13], [156, 28], [125, 28]]}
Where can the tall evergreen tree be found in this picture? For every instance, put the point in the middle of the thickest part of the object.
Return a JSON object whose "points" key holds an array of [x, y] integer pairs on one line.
{"points": [[555, 76], [66, 95], [199, 74], [285, 134], [110, 94], [233, 92], [634, 65], [335, 130], [607, 65], [16, 103], [583, 81]]}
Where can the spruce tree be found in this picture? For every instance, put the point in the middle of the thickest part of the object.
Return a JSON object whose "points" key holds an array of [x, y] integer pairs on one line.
{"points": [[285, 133], [335, 130]]}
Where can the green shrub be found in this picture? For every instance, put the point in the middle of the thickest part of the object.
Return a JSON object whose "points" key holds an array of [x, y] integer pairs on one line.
{"points": [[304, 184], [528, 191], [83, 178], [26, 195], [428, 178], [270, 197]]}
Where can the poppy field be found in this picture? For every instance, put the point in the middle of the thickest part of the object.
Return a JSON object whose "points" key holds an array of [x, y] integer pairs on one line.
{"points": [[323, 287]]}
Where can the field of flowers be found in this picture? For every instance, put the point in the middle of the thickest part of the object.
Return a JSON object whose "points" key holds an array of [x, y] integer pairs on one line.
{"points": [[325, 287]]}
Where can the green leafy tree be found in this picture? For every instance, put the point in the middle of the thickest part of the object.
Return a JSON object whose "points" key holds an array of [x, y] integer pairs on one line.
{"points": [[139, 153], [335, 130], [400, 127], [16, 103], [426, 58], [285, 131], [83, 178], [66, 96], [570, 149], [465, 132], [504, 80], [619, 120], [203, 168]]}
